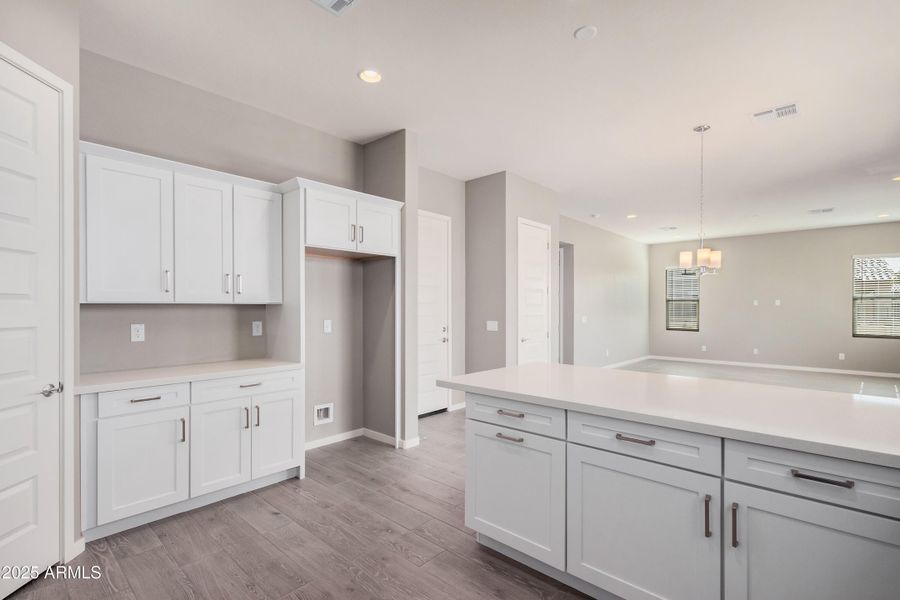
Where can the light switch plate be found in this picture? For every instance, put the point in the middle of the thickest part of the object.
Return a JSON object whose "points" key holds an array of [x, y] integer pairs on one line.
{"points": [[584, 318], [756, 351], [137, 332], [492, 326], [756, 303], [257, 329], [778, 303], [327, 326], [702, 348], [841, 356]]}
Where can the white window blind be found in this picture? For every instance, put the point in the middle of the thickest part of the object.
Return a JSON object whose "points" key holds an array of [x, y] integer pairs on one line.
{"points": [[876, 296], [682, 300]]}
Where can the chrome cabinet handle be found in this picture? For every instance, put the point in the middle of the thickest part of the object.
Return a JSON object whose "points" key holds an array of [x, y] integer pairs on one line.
{"points": [[634, 440], [168, 281], [734, 536], [510, 438], [50, 389], [246, 417], [508, 413], [352, 233], [250, 385], [362, 232], [707, 532], [240, 283], [257, 415], [150, 399], [846, 483], [183, 429], [227, 283]]}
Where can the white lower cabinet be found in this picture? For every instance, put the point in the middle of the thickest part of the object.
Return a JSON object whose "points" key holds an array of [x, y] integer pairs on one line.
{"points": [[278, 426], [142, 462], [781, 547], [515, 490], [220, 445], [642, 530]]}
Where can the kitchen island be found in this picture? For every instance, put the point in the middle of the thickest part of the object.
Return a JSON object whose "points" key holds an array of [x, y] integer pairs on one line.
{"points": [[641, 485]]}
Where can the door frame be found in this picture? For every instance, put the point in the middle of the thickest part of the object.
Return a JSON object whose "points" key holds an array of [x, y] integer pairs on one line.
{"points": [[71, 542], [449, 220], [519, 222]]}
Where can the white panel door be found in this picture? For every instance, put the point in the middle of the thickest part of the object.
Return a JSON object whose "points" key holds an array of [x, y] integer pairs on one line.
{"points": [[516, 490], [277, 442], [330, 220], [378, 228], [129, 232], [434, 310], [142, 462], [533, 277], [220, 445], [30, 190], [257, 246], [203, 240], [639, 529], [780, 547]]}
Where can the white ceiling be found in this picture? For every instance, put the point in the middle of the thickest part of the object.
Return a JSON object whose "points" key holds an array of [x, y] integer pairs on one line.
{"points": [[493, 85]]}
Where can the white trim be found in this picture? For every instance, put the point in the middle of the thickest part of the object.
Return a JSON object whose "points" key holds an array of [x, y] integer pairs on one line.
{"points": [[378, 436], [334, 439], [296, 183], [519, 222], [774, 366], [70, 544], [410, 443], [626, 362], [455, 407]]}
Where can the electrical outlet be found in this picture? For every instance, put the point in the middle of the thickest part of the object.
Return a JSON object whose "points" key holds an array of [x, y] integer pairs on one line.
{"points": [[492, 326], [702, 348], [841, 356], [327, 326], [607, 352], [756, 351], [256, 328], [584, 318], [137, 332], [756, 303], [778, 303]]}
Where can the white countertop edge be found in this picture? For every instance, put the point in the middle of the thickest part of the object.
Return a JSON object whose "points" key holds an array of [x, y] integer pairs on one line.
{"points": [[92, 383], [791, 443]]}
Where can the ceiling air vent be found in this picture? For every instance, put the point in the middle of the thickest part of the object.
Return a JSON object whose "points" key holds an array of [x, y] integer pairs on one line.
{"points": [[335, 7], [775, 114]]}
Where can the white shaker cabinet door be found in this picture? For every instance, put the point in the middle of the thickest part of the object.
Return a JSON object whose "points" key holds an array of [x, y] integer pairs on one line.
{"points": [[780, 547], [220, 445], [128, 229], [277, 424], [203, 240], [330, 220], [257, 246], [641, 530], [515, 490], [378, 228], [142, 462]]}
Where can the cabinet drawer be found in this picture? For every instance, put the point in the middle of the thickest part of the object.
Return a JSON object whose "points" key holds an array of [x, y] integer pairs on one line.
{"points": [[248, 385], [674, 447], [518, 415], [126, 402], [865, 487]]}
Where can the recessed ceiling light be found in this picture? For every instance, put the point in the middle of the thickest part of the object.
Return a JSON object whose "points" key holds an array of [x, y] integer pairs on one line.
{"points": [[883, 216], [588, 32], [631, 216], [370, 76], [896, 179]]}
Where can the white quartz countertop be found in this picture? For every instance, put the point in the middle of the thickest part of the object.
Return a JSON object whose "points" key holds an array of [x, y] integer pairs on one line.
{"points": [[844, 425], [90, 383]]}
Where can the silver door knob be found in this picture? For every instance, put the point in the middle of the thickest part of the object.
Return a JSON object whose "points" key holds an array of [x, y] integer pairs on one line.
{"points": [[51, 389]]}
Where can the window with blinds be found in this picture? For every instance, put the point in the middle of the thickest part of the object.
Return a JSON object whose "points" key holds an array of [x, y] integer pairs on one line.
{"points": [[876, 296], [682, 300]]}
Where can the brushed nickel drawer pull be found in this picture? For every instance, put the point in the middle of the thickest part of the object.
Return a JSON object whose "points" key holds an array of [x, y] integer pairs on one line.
{"points": [[510, 438], [183, 429], [707, 532], [246, 417], [257, 415], [847, 483], [150, 399], [362, 232], [734, 509], [634, 440], [352, 233], [509, 413], [250, 385]]}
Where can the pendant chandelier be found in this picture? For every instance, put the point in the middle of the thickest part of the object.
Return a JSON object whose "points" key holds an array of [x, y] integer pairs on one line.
{"points": [[708, 261]]}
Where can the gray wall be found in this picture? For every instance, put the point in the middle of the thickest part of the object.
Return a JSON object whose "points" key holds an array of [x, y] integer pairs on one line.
{"points": [[379, 341], [442, 194], [334, 363], [485, 272], [809, 271], [610, 288]]}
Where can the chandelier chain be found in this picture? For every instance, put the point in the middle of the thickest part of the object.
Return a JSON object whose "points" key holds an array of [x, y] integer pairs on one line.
{"points": [[701, 189]]}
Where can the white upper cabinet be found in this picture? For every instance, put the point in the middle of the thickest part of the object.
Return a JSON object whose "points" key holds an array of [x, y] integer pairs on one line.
{"points": [[378, 227], [257, 246], [128, 229], [330, 220], [203, 240]]}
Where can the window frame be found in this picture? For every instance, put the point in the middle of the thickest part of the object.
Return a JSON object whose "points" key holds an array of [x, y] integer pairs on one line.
{"points": [[854, 299], [668, 300]]}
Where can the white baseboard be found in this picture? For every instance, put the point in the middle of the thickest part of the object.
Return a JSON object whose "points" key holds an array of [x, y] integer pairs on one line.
{"points": [[454, 407], [378, 436], [334, 439], [626, 362], [733, 363], [410, 443]]}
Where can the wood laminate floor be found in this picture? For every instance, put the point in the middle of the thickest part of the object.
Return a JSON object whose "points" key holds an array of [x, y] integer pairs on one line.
{"points": [[367, 522]]}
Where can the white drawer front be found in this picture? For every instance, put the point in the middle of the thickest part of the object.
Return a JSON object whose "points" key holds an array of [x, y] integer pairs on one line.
{"points": [[126, 402], [858, 485], [518, 415], [249, 385], [674, 447]]}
